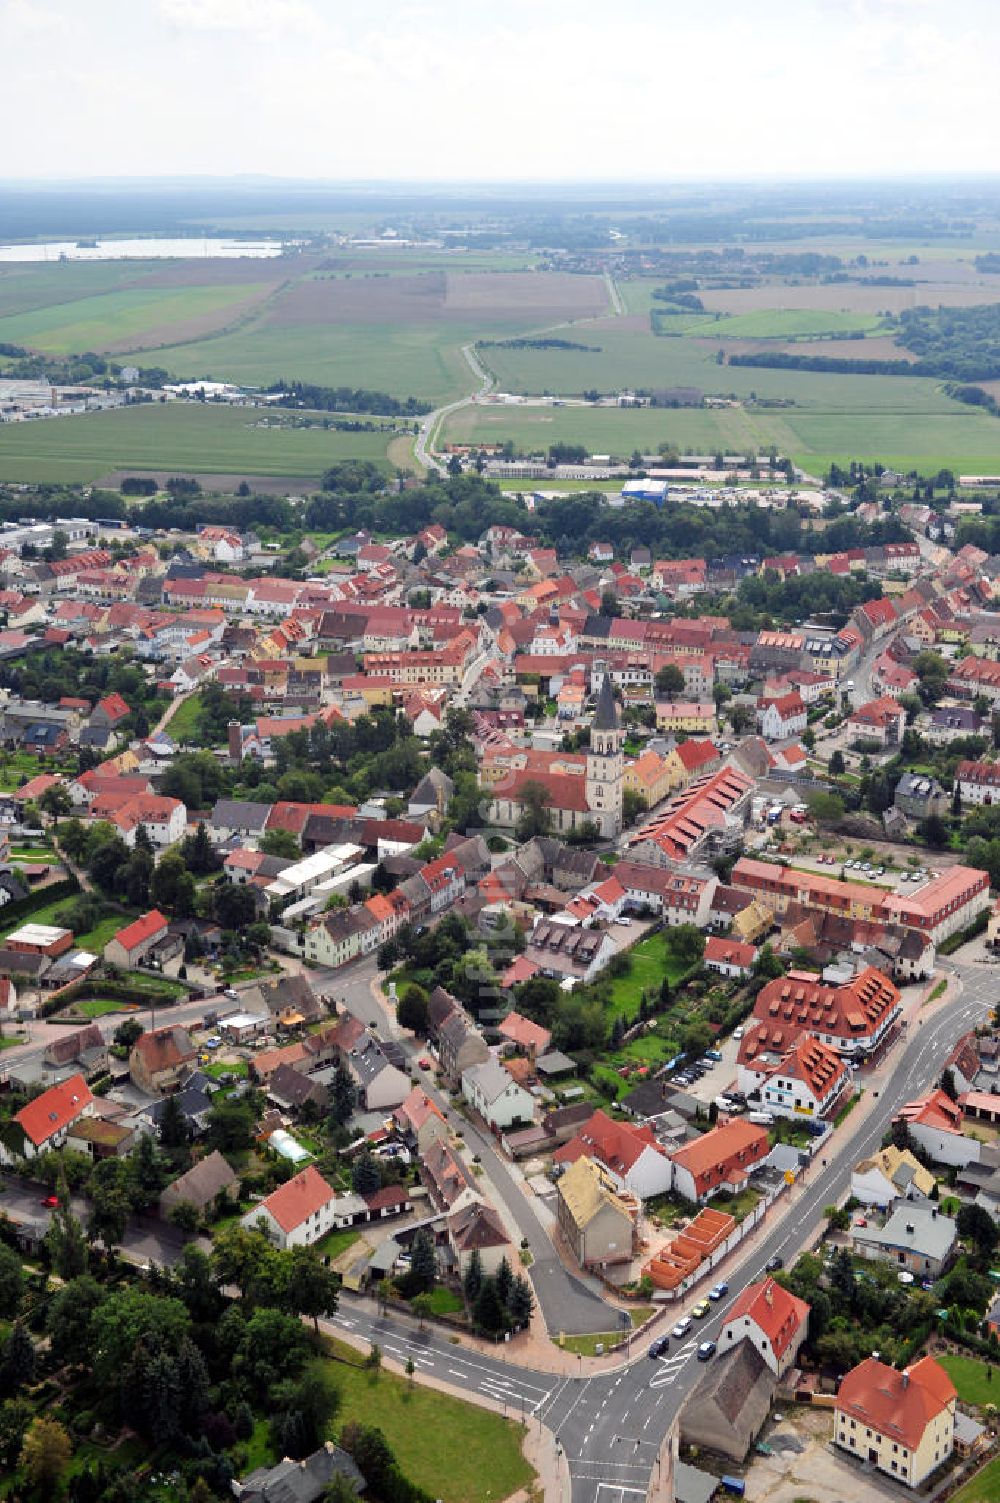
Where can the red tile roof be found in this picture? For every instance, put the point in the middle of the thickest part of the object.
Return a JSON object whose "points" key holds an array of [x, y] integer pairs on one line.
{"points": [[899, 1405], [618, 1145], [144, 928], [736, 1145], [54, 1109], [523, 1031], [294, 1202], [779, 1314], [114, 707]]}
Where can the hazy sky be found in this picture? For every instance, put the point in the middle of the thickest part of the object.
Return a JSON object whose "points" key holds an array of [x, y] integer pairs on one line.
{"points": [[654, 89]]}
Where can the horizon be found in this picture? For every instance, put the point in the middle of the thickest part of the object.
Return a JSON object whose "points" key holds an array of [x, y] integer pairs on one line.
{"points": [[445, 91]]}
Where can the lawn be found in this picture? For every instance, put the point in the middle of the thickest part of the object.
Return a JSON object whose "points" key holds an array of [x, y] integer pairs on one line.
{"points": [[971, 1378], [185, 437], [33, 853], [738, 1206], [446, 1302], [984, 1487], [335, 1244], [100, 1007], [650, 963], [93, 939], [457, 1451], [183, 723]]}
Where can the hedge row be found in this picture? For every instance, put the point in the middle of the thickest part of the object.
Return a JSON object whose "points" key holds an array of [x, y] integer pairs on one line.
{"points": [[69, 887]]}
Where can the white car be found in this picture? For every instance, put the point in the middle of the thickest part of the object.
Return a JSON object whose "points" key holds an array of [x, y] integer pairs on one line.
{"points": [[683, 1326]]}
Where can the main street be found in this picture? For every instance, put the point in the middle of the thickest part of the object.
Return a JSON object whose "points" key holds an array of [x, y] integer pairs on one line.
{"points": [[611, 1424]]}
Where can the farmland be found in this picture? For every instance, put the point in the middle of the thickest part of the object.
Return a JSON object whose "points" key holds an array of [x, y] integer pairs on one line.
{"points": [[195, 437], [789, 323], [115, 321]]}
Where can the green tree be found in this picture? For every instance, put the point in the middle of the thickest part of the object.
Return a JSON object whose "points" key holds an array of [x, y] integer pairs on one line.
{"points": [[365, 1175], [633, 805], [342, 1095], [17, 1361], [836, 765], [521, 1302], [45, 1455], [669, 682], [11, 1282], [172, 887], [536, 816], [413, 1010], [311, 1285], [488, 1312], [423, 1264], [231, 1124], [472, 1280], [826, 808], [15, 1417], [976, 1225], [109, 1203], [173, 1129], [126, 1033], [65, 1238], [281, 843], [235, 906]]}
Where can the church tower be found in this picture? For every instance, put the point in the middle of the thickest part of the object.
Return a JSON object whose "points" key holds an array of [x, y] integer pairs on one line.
{"points": [[605, 762]]}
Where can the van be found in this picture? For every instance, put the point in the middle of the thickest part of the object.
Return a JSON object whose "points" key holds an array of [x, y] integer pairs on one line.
{"points": [[762, 1119]]}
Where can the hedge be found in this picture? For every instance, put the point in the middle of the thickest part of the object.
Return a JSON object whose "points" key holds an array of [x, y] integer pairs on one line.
{"points": [[69, 887]]}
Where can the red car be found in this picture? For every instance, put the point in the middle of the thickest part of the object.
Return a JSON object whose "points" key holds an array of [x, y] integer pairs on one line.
{"points": [[424, 1064], [50, 1200]]}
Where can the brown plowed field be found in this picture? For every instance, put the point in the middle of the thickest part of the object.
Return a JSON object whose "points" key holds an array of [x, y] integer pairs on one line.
{"points": [[504, 297], [849, 297]]}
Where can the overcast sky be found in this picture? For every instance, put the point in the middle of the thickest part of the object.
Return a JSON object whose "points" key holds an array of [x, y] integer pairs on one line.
{"points": [[522, 89]]}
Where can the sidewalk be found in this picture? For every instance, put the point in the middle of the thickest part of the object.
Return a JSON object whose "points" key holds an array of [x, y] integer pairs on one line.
{"points": [[540, 1447]]}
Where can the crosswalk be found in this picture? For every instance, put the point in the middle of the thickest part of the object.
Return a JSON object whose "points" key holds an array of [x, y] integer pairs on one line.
{"points": [[668, 1368]]}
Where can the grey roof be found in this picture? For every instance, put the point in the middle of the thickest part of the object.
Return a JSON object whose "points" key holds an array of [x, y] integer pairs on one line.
{"points": [[606, 713], [202, 1184], [300, 1481], [384, 1256], [932, 1235], [691, 1485], [239, 814], [554, 1063], [491, 1079]]}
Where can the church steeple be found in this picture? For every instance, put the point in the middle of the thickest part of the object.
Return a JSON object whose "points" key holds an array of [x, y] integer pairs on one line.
{"points": [[605, 761]]}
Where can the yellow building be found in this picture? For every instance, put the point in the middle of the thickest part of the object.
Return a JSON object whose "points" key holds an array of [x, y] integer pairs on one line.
{"points": [[651, 776], [901, 1422], [695, 718]]}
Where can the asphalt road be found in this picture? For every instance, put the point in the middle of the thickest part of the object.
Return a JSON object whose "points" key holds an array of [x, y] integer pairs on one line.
{"points": [[568, 1302], [611, 1425]]}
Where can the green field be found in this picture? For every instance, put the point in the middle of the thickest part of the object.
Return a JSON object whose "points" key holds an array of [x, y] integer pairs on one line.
{"points": [[113, 319], [457, 1451], [913, 425], [650, 963], [100, 1007], [422, 360], [793, 323], [187, 437]]}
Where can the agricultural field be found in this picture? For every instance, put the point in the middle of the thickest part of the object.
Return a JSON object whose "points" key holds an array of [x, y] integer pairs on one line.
{"points": [[124, 320], [189, 437], [790, 323], [904, 422], [397, 333]]}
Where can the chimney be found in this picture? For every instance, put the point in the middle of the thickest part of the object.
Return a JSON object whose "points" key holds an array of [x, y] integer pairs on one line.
{"points": [[235, 738], [933, 1213], [906, 1377]]}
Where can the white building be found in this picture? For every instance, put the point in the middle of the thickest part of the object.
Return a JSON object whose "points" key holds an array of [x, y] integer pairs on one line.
{"points": [[496, 1096], [298, 1213]]}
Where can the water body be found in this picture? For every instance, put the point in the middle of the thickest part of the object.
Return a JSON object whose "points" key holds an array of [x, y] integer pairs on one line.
{"points": [[148, 249]]}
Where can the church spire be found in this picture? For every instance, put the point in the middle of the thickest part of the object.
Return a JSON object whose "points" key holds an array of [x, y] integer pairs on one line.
{"points": [[606, 713]]}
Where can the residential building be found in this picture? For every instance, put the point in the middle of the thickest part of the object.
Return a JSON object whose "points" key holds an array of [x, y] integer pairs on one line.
{"points": [[159, 1061], [782, 717], [496, 1096], [719, 1160], [901, 1422], [852, 1019], [880, 720], [920, 797], [773, 1320], [729, 957], [477, 1228], [460, 1046], [420, 1120], [306, 1481], [131, 945], [202, 1186], [296, 1214], [695, 718], [978, 782], [632, 1156], [917, 1238], [527, 1037], [890, 1174], [935, 1123], [599, 1223], [42, 1125]]}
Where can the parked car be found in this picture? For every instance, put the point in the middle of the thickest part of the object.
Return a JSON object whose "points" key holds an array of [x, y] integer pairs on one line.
{"points": [[682, 1327], [706, 1351], [739, 1032], [718, 1291], [713, 1054], [659, 1346], [50, 1201]]}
